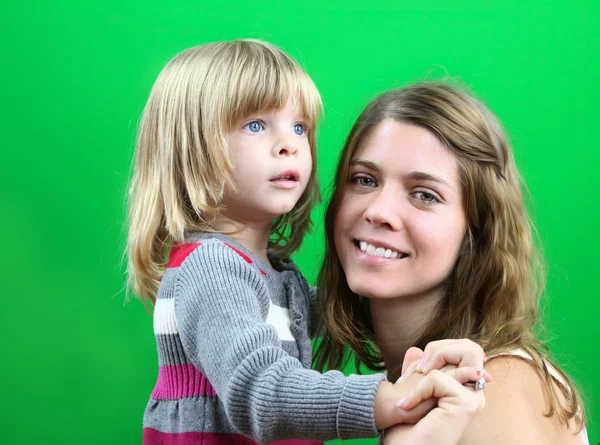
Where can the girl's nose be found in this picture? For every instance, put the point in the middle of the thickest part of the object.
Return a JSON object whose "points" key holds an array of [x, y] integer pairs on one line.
{"points": [[286, 145], [288, 149]]}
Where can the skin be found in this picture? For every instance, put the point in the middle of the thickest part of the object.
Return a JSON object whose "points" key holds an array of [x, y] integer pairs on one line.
{"points": [[264, 146], [404, 194]]}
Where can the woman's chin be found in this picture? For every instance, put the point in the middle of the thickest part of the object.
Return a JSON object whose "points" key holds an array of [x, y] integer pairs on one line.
{"points": [[372, 291]]}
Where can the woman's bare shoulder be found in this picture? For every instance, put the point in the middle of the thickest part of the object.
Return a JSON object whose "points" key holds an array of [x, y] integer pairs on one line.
{"points": [[515, 408]]}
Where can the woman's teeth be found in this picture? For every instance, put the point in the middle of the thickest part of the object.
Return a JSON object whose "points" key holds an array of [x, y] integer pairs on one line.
{"points": [[379, 251]]}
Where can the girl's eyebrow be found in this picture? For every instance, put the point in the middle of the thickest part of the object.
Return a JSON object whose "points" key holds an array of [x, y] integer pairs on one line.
{"points": [[414, 175]]}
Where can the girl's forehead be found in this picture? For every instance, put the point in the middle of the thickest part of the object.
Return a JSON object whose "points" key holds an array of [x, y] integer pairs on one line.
{"points": [[289, 105]]}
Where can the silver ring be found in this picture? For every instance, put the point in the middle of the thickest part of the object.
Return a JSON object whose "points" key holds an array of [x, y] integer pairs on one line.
{"points": [[479, 385]]}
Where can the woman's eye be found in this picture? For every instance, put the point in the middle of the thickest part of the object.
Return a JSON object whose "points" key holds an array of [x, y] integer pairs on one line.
{"points": [[426, 197], [364, 181], [254, 127], [300, 129]]}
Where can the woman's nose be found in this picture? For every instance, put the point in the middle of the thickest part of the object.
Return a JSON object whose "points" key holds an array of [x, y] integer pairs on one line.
{"points": [[385, 210]]}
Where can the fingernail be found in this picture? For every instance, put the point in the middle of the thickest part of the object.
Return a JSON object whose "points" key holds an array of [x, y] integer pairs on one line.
{"points": [[419, 365], [400, 403], [401, 379]]}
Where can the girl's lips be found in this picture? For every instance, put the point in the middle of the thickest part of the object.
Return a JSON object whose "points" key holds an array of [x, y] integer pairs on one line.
{"points": [[284, 183], [288, 175], [286, 180]]}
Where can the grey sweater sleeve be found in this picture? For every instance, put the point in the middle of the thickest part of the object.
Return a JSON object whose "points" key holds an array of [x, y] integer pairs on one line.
{"points": [[316, 324], [220, 308]]}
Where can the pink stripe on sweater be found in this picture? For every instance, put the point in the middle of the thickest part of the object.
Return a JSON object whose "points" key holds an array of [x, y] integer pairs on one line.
{"points": [[154, 437], [244, 256], [179, 253], [175, 382], [240, 253]]}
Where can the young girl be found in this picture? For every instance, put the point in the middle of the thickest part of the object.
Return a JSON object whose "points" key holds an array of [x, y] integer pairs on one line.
{"points": [[221, 194]]}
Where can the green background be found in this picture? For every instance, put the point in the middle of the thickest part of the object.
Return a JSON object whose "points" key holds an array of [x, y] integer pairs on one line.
{"points": [[78, 363]]}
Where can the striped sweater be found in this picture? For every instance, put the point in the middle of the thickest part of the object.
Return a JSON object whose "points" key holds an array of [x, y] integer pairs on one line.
{"points": [[234, 351]]}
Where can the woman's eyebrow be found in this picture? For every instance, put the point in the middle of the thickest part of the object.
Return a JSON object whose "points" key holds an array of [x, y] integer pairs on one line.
{"points": [[368, 164], [414, 175], [423, 176]]}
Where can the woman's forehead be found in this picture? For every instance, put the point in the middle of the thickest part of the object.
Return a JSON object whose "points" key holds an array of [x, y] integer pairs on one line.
{"points": [[399, 148]]}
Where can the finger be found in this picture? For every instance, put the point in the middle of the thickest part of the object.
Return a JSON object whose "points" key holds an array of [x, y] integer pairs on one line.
{"points": [[488, 377], [423, 391], [432, 347], [432, 351], [450, 369], [435, 384], [458, 352], [413, 354], [412, 368], [447, 368], [416, 413], [467, 374], [408, 367]]}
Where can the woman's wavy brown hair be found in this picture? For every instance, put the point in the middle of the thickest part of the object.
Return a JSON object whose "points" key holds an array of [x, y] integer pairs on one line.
{"points": [[493, 291]]}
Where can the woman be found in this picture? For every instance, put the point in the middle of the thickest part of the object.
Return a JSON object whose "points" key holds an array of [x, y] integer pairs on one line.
{"points": [[427, 221]]}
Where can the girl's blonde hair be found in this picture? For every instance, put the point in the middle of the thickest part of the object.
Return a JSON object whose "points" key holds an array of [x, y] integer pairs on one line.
{"points": [[493, 292], [182, 161]]}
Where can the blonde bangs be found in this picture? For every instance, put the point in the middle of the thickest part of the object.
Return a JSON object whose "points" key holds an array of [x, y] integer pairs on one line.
{"points": [[261, 79]]}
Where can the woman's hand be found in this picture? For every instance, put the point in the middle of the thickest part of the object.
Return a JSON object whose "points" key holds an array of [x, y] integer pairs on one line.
{"points": [[449, 356], [461, 360], [446, 423], [448, 365]]}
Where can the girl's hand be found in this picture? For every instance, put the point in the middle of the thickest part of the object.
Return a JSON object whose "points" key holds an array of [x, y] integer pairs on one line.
{"points": [[446, 423], [387, 412]]}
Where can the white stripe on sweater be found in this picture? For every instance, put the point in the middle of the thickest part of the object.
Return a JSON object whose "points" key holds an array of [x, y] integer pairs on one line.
{"points": [[164, 316], [165, 323], [279, 318]]}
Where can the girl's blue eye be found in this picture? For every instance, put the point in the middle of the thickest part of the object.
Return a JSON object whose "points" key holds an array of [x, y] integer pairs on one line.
{"points": [[254, 127], [300, 129]]}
